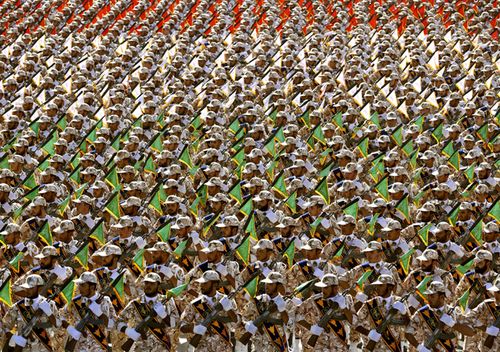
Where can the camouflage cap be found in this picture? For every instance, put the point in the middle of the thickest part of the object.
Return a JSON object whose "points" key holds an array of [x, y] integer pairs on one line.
{"points": [[263, 244], [152, 277], [87, 277], [435, 287], [373, 246], [209, 275], [47, 251], [481, 255], [32, 281], [274, 277], [109, 249], [384, 279], [428, 254], [327, 281], [214, 246], [313, 243]]}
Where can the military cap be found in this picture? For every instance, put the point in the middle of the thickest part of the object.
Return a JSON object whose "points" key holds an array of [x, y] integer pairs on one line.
{"points": [[428, 254], [229, 221], [209, 275], [263, 195], [108, 249], [373, 246], [496, 285], [182, 222], [435, 287], [87, 277], [124, 221], [313, 243], [384, 279], [65, 225], [47, 251], [491, 227], [263, 244], [213, 246], [32, 281], [10, 228], [287, 221], [274, 277], [346, 220], [152, 277], [483, 254], [328, 280]]}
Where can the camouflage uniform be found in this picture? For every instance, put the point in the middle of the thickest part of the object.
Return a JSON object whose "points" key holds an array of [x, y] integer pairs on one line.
{"points": [[328, 340], [130, 316]]}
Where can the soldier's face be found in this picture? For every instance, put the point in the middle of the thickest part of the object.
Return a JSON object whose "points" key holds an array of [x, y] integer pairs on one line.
{"points": [[86, 289], [330, 291], [271, 289], [383, 290], [436, 299], [150, 288], [206, 287]]}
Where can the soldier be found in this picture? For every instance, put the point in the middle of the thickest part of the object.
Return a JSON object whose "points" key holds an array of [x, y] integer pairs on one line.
{"points": [[485, 319], [34, 318], [159, 333], [158, 261], [381, 318], [101, 317], [270, 317], [477, 281], [334, 335], [51, 271], [217, 334], [429, 271], [434, 326], [109, 268]]}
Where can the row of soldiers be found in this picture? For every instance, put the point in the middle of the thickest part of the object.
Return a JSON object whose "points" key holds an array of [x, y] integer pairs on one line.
{"points": [[267, 306]]}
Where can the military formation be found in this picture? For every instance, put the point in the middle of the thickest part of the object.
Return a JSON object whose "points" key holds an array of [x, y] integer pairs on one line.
{"points": [[269, 175]]}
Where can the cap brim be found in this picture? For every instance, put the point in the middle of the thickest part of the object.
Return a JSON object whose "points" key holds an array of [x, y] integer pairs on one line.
{"points": [[320, 284], [494, 289], [26, 286], [201, 280]]}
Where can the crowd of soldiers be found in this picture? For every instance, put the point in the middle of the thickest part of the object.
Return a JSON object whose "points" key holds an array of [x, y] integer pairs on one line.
{"points": [[239, 175]]}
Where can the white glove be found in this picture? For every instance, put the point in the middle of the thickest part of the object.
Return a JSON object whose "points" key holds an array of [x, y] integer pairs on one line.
{"points": [[492, 330], [360, 296], [316, 330], [200, 330], [45, 307], [251, 328], [226, 304], [18, 340], [75, 334], [445, 318], [132, 333], [160, 310], [318, 273], [374, 335], [96, 309], [399, 306], [422, 348], [340, 300], [280, 304], [222, 269]]}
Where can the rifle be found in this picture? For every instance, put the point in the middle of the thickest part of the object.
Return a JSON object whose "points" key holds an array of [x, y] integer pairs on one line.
{"points": [[488, 342], [331, 313], [264, 317], [195, 341], [142, 326], [385, 324], [438, 334], [71, 343]]}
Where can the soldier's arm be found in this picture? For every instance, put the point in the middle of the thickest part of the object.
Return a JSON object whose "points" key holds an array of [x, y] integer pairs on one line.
{"points": [[411, 329], [187, 319]]}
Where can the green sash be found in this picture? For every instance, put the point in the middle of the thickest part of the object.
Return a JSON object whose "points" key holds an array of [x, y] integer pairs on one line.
{"points": [[335, 325], [378, 319], [204, 309], [432, 322], [27, 313]]}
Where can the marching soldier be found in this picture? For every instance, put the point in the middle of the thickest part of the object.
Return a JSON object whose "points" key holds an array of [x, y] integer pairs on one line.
{"points": [[381, 319], [51, 271], [94, 335], [34, 319], [269, 319], [476, 281], [486, 320], [435, 325], [216, 334], [332, 334], [110, 269], [159, 333], [428, 271]]}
